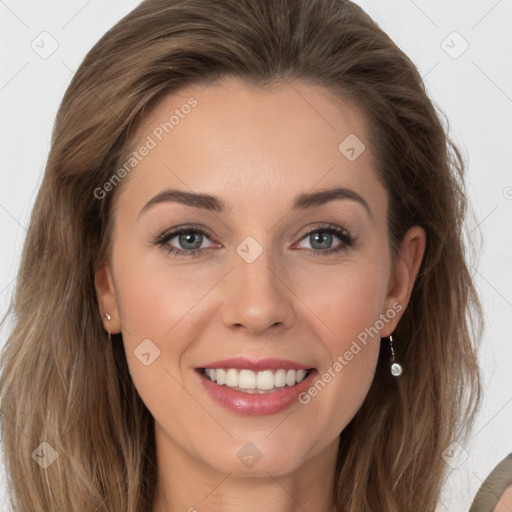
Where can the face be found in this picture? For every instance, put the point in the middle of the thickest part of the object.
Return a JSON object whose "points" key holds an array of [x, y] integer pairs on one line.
{"points": [[279, 272]]}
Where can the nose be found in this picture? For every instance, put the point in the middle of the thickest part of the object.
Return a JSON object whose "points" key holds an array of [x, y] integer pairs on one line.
{"points": [[257, 297]]}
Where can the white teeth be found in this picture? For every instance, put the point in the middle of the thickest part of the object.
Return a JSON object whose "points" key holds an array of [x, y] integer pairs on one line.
{"points": [[265, 380], [300, 375], [232, 378], [247, 380], [220, 376], [280, 378]]}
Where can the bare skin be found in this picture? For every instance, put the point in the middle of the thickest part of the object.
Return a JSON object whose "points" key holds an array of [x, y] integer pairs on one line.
{"points": [[505, 503], [257, 150]]}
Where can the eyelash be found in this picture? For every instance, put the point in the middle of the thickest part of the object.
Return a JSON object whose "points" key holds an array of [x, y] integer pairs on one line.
{"points": [[332, 229]]}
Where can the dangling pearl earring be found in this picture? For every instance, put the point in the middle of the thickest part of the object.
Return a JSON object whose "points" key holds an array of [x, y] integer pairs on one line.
{"points": [[396, 369]]}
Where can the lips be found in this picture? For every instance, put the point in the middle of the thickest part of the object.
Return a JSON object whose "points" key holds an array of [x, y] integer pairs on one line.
{"points": [[243, 363], [261, 402]]}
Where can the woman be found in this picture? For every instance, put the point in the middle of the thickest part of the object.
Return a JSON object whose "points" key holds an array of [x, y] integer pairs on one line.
{"points": [[247, 370]]}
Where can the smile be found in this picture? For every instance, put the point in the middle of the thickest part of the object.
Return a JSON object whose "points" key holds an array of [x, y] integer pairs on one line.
{"points": [[248, 381], [249, 387]]}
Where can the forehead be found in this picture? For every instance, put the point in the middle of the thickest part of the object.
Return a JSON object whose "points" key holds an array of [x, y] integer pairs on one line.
{"points": [[230, 138]]}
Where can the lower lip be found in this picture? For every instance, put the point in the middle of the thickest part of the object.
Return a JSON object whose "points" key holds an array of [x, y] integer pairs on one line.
{"points": [[255, 404]]}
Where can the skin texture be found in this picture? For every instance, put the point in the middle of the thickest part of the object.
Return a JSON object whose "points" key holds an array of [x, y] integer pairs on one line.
{"points": [[256, 149], [505, 503]]}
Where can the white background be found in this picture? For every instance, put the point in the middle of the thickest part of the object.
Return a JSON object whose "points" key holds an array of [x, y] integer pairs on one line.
{"points": [[474, 89]]}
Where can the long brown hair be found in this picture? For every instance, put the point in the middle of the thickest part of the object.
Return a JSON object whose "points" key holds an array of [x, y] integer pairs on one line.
{"points": [[62, 383]]}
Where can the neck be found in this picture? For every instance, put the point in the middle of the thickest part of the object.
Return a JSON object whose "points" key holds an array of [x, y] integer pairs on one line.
{"points": [[189, 484]]}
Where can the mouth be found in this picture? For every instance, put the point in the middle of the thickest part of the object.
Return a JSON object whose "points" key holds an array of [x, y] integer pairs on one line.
{"points": [[251, 392], [249, 381]]}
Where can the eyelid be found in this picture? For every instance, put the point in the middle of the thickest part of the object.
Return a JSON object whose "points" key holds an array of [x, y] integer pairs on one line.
{"points": [[339, 232], [324, 226], [184, 228], [201, 229], [345, 237]]}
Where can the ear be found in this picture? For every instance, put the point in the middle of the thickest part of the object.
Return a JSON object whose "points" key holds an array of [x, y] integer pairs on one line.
{"points": [[404, 272], [105, 292]]}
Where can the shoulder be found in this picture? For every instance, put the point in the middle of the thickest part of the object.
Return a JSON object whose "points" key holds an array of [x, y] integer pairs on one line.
{"points": [[505, 503], [495, 494]]}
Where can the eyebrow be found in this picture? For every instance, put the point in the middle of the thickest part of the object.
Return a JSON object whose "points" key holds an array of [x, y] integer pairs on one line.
{"points": [[218, 205]]}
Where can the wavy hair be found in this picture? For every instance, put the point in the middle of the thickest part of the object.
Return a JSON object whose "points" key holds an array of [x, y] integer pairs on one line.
{"points": [[63, 384]]}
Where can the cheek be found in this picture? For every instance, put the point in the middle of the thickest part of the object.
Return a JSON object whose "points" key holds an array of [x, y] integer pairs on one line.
{"points": [[354, 345], [155, 296], [352, 311], [155, 305], [347, 299]]}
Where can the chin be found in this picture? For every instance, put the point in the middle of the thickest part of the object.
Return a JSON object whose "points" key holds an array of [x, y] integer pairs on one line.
{"points": [[250, 460]]}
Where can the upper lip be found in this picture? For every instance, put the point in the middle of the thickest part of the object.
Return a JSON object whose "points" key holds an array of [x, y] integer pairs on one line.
{"points": [[244, 363]]}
